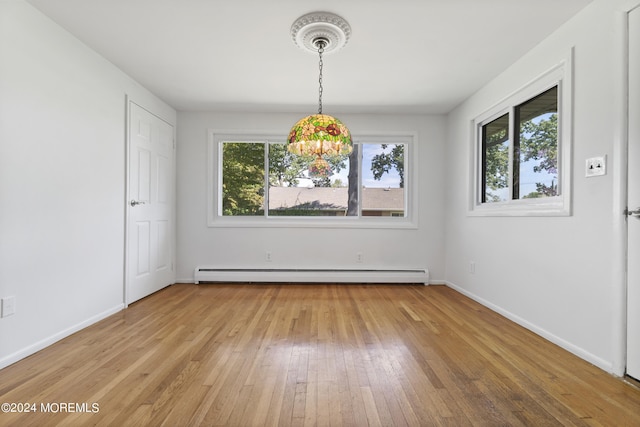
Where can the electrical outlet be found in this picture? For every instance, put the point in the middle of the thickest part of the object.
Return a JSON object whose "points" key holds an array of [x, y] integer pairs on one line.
{"points": [[359, 257], [472, 267], [8, 306], [267, 256]]}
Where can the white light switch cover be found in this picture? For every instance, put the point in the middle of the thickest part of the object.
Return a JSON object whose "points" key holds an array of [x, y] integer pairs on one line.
{"points": [[596, 166]]}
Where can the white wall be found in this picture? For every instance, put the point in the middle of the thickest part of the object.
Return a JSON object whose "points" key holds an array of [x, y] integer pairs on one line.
{"points": [[62, 180], [553, 274], [240, 247]]}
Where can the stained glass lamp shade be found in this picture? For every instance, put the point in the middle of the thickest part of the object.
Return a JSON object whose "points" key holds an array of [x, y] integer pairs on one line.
{"points": [[319, 134]]}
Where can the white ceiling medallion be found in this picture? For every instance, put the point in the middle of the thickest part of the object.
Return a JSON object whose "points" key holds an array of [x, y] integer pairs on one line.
{"points": [[327, 27]]}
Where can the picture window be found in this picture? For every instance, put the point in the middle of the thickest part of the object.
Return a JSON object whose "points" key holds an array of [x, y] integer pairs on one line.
{"points": [[259, 178]]}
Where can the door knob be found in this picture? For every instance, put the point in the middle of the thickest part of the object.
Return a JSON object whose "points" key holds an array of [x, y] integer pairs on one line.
{"points": [[634, 212], [136, 202]]}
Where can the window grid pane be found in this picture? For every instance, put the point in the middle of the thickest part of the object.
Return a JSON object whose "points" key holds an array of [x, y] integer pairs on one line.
{"points": [[536, 147], [495, 160], [382, 192], [296, 189], [243, 178]]}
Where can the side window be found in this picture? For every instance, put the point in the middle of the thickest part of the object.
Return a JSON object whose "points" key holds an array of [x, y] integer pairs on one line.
{"points": [[523, 151], [520, 151]]}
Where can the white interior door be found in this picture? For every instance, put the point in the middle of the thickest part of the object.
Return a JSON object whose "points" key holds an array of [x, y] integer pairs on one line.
{"points": [[150, 224], [633, 202]]}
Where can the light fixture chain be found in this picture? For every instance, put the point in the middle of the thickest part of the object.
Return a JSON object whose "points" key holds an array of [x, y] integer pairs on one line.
{"points": [[320, 52]]}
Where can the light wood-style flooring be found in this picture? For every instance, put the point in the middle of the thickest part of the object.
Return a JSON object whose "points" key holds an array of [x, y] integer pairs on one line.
{"points": [[306, 355]]}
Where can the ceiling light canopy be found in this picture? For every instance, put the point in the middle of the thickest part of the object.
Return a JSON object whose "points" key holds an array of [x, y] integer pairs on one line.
{"points": [[313, 26], [320, 134]]}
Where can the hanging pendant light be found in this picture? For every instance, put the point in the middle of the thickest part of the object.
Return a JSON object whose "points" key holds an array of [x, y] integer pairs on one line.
{"points": [[320, 134]]}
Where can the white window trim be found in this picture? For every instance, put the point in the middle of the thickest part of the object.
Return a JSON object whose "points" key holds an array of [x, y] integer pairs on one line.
{"points": [[562, 76], [214, 177]]}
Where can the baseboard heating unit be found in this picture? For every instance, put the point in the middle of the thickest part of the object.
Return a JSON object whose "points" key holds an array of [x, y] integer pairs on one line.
{"points": [[308, 275]]}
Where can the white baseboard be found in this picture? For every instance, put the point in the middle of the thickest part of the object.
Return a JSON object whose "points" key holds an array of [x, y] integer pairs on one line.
{"points": [[29, 350], [572, 348]]}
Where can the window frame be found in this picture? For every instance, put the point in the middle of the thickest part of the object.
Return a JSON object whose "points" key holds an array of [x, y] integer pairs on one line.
{"points": [[216, 138], [561, 76]]}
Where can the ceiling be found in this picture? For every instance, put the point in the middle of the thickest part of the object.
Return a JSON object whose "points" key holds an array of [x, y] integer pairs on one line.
{"points": [[404, 56]]}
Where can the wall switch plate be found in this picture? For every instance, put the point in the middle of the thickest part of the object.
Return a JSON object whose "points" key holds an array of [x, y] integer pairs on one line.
{"points": [[596, 166], [8, 306]]}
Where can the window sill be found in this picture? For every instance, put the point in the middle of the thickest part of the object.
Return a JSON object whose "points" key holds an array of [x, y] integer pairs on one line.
{"points": [[550, 207], [306, 222]]}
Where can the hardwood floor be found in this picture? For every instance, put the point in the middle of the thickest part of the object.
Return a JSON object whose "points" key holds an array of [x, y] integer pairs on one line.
{"points": [[254, 355]]}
